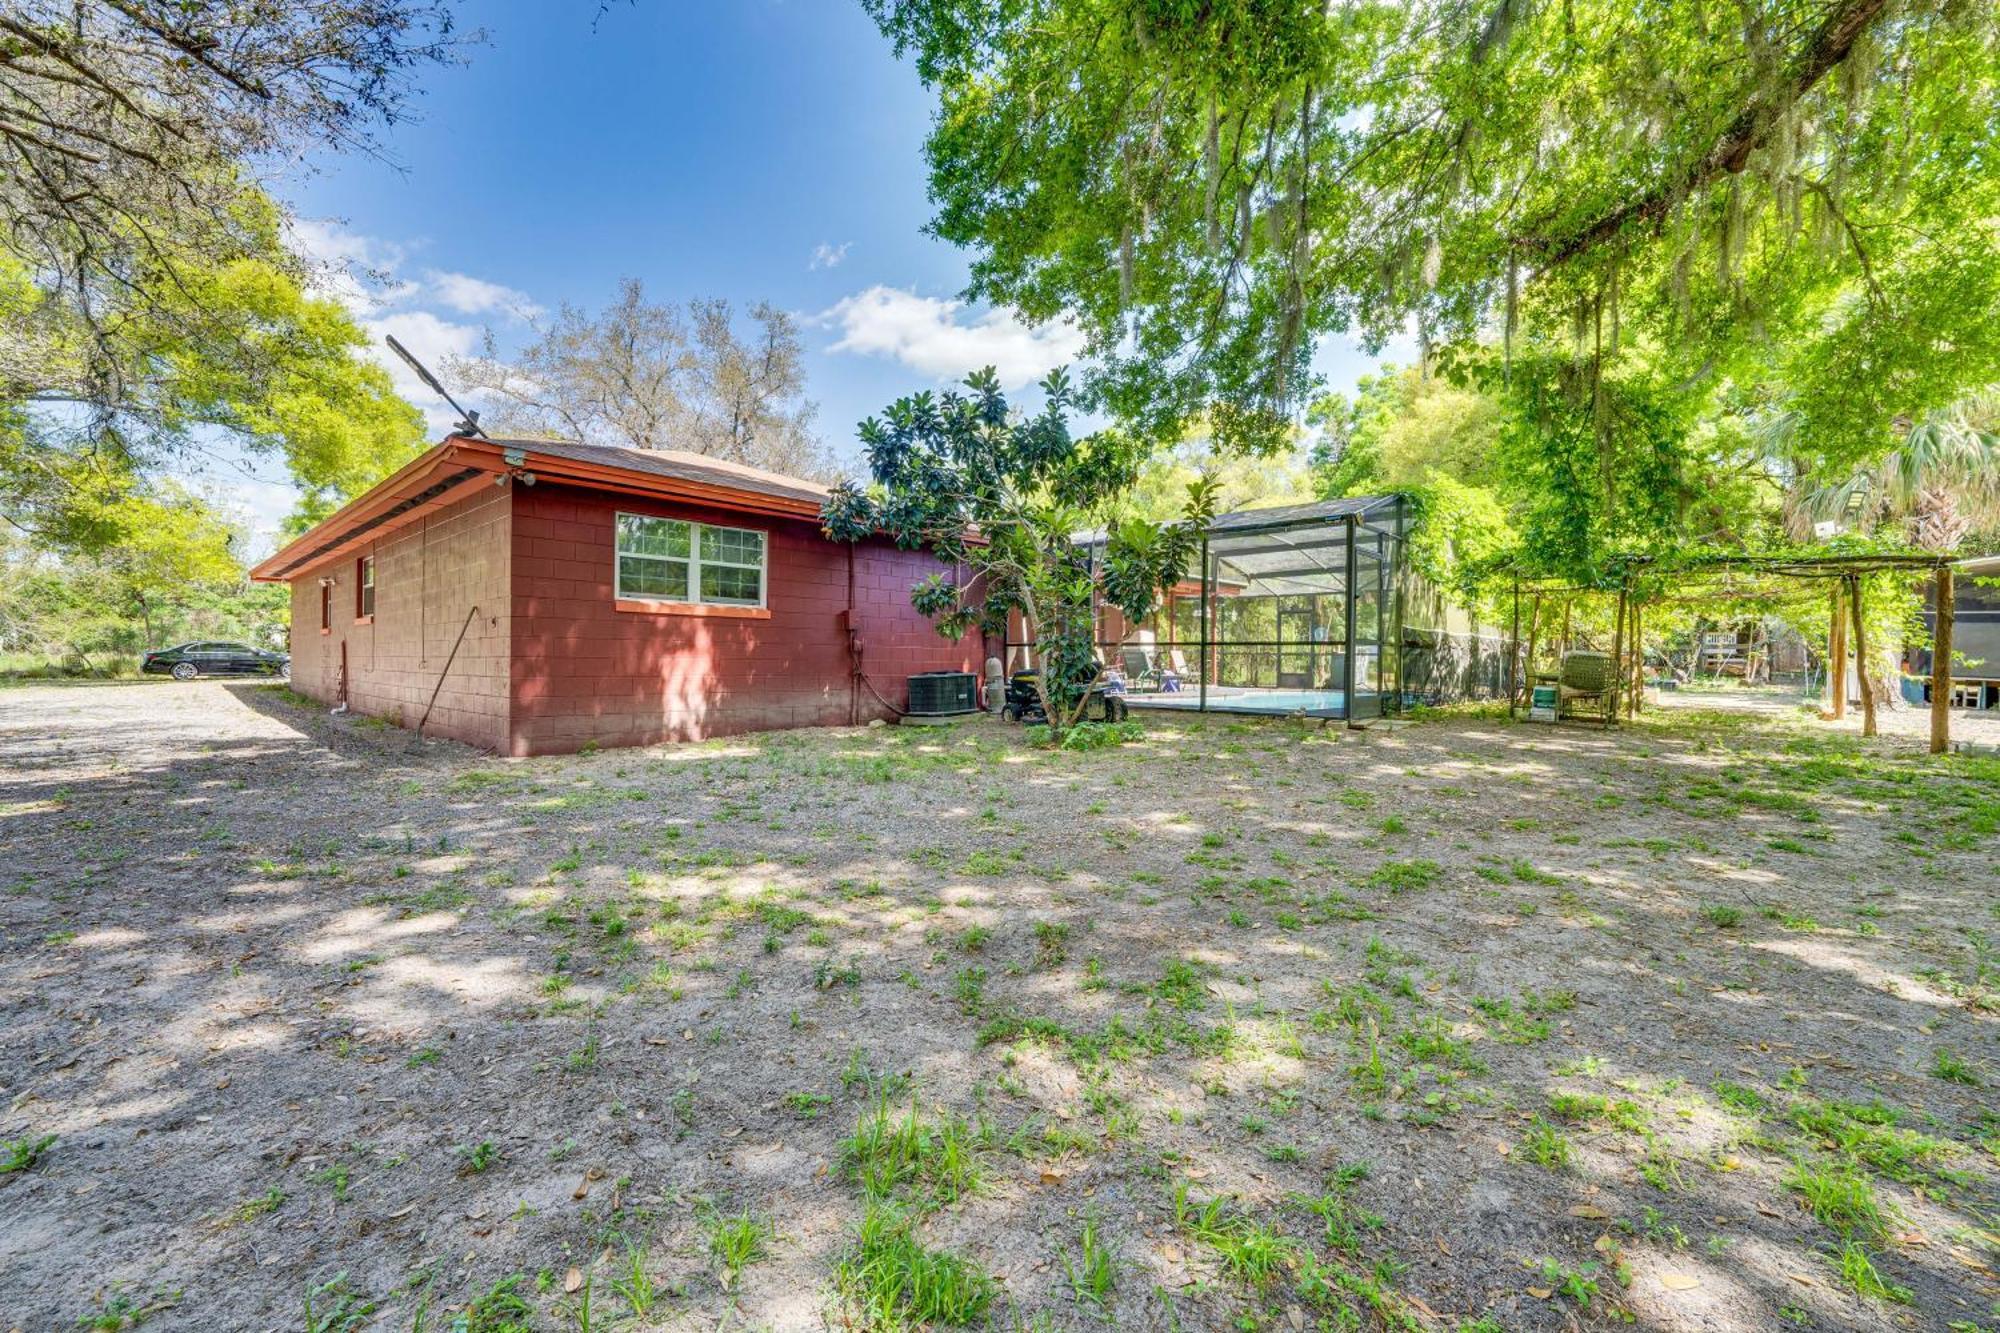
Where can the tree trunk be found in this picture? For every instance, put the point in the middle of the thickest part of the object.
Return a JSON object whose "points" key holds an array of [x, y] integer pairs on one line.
{"points": [[1836, 657], [1862, 671], [1941, 664]]}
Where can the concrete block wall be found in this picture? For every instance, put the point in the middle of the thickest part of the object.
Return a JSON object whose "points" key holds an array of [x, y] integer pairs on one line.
{"points": [[585, 671], [428, 578]]}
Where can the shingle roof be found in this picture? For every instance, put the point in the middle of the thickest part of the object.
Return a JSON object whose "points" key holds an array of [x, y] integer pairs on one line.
{"points": [[678, 465]]}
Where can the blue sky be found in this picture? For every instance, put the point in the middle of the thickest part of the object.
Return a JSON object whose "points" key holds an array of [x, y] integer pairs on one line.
{"points": [[752, 150]]}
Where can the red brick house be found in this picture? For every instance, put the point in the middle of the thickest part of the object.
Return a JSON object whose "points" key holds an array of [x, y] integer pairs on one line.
{"points": [[532, 596]]}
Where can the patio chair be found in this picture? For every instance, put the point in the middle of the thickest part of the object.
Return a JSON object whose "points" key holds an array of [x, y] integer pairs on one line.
{"points": [[1584, 678], [1141, 671]]}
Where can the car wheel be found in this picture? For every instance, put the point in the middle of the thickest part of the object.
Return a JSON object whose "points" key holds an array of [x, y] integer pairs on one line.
{"points": [[185, 671]]}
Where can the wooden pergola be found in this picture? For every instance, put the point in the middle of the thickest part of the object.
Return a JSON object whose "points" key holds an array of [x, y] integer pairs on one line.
{"points": [[1843, 572]]}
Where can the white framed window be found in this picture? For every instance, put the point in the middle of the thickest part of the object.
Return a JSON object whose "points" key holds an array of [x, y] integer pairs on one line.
{"points": [[674, 560], [364, 588]]}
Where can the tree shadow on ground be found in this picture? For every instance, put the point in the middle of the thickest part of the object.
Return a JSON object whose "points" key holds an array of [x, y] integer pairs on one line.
{"points": [[300, 1002]]}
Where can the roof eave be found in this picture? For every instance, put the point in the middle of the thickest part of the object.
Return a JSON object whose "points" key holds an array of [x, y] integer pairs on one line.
{"points": [[370, 514]]}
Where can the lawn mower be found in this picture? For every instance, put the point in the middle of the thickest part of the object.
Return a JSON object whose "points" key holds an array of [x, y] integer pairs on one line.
{"points": [[1024, 702]]}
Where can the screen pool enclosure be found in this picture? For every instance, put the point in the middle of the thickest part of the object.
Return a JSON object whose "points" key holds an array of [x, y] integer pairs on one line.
{"points": [[1307, 609]]}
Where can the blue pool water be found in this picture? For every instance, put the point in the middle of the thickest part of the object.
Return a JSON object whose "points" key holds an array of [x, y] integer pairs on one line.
{"points": [[1230, 699]]}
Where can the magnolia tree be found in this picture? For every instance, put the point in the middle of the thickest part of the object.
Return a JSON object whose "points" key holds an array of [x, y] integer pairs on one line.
{"points": [[1001, 495]]}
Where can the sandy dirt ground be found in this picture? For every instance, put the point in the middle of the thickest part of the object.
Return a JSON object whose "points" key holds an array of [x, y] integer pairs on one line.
{"points": [[1250, 1024]]}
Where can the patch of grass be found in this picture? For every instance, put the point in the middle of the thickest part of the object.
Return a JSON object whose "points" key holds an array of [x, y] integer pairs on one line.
{"points": [[1578, 1108], [1253, 1252], [1405, 876], [1867, 1132], [1544, 1145], [1181, 985], [889, 1281], [1857, 1270], [736, 1241], [501, 1308], [1951, 1069], [907, 1156], [252, 1209], [1840, 1196], [22, 1154], [477, 1158], [1722, 916], [968, 986], [1093, 1269]]}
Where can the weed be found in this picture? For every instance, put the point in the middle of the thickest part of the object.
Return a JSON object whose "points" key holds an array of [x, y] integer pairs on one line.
{"points": [[968, 984], [932, 1161], [735, 1242], [1575, 1283], [1950, 1068], [1858, 1271], [1404, 876], [1839, 1195], [635, 1284], [1544, 1145], [22, 1154], [334, 1306], [1093, 1272], [890, 1281], [477, 1158], [501, 1308], [1251, 1251]]}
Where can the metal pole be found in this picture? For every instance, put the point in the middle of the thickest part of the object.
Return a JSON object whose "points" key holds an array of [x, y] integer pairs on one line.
{"points": [[1207, 582], [1941, 661], [1348, 692], [1399, 617]]}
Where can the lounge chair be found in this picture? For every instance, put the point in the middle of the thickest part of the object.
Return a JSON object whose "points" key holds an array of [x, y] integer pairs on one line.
{"points": [[1141, 671]]}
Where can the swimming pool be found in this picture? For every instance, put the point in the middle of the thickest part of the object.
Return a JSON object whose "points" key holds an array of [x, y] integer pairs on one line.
{"points": [[1236, 699]]}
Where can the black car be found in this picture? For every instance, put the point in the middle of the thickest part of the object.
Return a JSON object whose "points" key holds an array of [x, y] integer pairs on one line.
{"points": [[215, 659]]}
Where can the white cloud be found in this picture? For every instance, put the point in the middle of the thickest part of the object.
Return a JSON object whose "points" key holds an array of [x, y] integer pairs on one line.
{"points": [[370, 277], [928, 335], [476, 296], [828, 255]]}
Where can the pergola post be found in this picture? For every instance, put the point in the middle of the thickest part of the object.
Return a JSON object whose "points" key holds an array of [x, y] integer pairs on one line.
{"points": [[1862, 673], [1634, 699], [1836, 655], [1617, 657], [1941, 663]]}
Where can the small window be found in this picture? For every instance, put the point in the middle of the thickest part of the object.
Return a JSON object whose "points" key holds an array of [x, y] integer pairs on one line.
{"points": [[325, 608], [672, 560], [364, 587]]}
